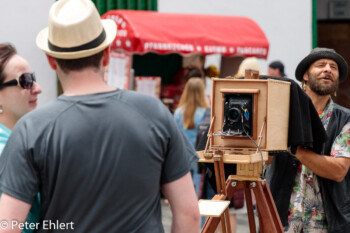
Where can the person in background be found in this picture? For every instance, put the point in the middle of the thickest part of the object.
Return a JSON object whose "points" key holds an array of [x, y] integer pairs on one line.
{"points": [[190, 113], [311, 190], [99, 156], [193, 71], [248, 63], [276, 69], [191, 108], [18, 96]]}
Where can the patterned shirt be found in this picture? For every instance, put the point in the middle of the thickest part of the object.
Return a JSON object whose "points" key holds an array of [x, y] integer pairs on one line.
{"points": [[306, 212]]}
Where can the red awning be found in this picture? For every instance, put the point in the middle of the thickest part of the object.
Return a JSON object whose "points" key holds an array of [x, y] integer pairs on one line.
{"points": [[150, 31]]}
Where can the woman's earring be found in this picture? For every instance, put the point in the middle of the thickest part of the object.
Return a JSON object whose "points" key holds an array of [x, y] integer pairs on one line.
{"points": [[335, 93]]}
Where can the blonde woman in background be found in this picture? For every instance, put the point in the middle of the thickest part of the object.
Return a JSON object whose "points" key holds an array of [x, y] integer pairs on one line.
{"points": [[190, 113], [191, 108]]}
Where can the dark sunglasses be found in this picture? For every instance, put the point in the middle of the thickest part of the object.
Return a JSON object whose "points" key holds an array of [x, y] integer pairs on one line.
{"points": [[26, 81]]}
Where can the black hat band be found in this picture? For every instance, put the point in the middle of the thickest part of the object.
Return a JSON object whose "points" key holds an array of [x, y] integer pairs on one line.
{"points": [[90, 45]]}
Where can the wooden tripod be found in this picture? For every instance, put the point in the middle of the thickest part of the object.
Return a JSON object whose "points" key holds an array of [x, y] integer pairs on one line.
{"points": [[269, 221]]}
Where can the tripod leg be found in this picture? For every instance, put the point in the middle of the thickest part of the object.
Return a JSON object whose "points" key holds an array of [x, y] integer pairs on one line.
{"points": [[227, 218], [265, 210], [223, 225], [272, 206], [261, 224], [217, 177], [210, 225], [249, 202]]}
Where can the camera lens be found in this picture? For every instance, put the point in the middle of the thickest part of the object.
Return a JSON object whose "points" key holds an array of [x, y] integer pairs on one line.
{"points": [[234, 114]]}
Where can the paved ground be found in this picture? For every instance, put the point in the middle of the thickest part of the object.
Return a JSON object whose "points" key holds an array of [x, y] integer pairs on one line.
{"points": [[242, 220]]}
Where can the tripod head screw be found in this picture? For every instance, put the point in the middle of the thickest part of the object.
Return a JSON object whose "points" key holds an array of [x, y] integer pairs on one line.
{"points": [[233, 184]]}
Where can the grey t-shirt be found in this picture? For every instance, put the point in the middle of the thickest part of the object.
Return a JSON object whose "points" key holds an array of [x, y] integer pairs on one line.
{"points": [[97, 160]]}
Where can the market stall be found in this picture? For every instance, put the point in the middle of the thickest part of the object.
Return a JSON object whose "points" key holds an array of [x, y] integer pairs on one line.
{"points": [[151, 38]]}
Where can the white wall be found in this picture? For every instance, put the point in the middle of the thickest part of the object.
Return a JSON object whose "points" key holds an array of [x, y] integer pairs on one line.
{"points": [[287, 24], [20, 22]]}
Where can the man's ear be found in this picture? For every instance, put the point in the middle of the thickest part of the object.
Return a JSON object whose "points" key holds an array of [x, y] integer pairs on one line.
{"points": [[105, 58], [306, 76], [52, 62]]}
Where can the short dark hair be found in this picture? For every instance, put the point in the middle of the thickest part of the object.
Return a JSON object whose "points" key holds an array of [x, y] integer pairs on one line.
{"points": [[68, 65], [278, 65], [6, 52]]}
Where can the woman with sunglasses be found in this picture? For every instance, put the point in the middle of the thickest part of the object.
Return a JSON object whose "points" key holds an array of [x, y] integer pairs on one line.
{"points": [[18, 96]]}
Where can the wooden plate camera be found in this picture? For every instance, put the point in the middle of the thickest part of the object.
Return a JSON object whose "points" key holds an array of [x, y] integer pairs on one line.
{"points": [[249, 118]]}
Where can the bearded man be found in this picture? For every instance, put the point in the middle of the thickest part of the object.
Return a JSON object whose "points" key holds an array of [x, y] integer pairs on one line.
{"points": [[318, 199]]}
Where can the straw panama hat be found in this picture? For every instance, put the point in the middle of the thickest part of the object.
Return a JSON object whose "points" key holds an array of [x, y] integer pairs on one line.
{"points": [[75, 30]]}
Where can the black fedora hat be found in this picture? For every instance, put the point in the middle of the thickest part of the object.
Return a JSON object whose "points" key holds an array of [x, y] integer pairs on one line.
{"points": [[319, 53]]}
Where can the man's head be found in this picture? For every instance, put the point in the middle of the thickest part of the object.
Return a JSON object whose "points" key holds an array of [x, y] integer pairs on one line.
{"points": [[75, 31], [276, 69], [322, 70]]}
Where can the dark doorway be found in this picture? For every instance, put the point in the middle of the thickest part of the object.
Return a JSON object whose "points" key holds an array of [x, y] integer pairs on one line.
{"points": [[151, 64], [336, 34]]}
